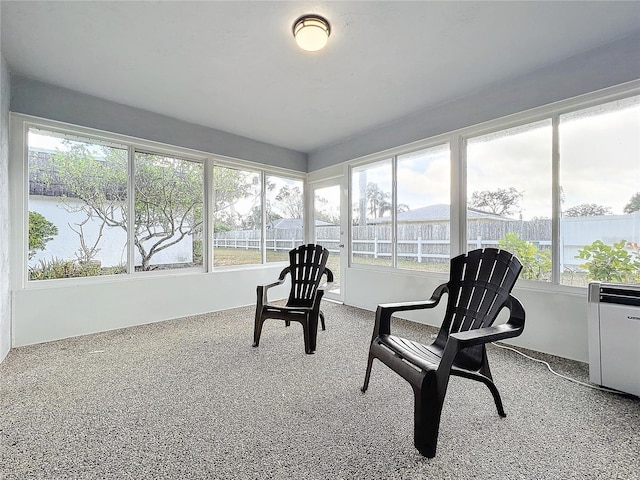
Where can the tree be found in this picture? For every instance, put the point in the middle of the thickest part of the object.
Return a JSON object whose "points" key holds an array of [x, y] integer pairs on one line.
{"points": [[168, 203], [378, 200], [87, 252], [95, 188], [503, 201], [231, 186], [41, 231], [290, 202], [587, 210], [253, 219], [169, 198], [536, 263], [323, 211], [611, 263], [634, 204]]}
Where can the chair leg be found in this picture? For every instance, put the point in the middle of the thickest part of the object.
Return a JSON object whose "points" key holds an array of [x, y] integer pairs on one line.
{"points": [[496, 395], [257, 328], [313, 332], [308, 348], [367, 375], [427, 411], [488, 382], [487, 379]]}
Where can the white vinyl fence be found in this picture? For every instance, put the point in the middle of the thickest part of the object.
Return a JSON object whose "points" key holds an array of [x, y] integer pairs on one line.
{"points": [[430, 242]]}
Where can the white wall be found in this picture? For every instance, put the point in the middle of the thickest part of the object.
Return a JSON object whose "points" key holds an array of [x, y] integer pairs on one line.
{"points": [[556, 322], [76, 307], [5, 298], [112, 246], [40, 99], [580, 231]]}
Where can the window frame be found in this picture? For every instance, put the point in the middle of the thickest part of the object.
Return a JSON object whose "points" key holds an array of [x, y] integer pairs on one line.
{"points": [[457, 143], [396, 202], [19, 175], [131, 185], [392, 155], [74, 137], [559, 168], [20, 124], [210, 192], [379, 161], [552, 167], [265, 199]]}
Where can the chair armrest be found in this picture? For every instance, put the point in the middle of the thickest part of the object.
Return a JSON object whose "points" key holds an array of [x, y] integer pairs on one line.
{"points": [[262, 289], [485, 335], [329, 275], [386, 310], [512, 328], [326, 286], [323, 287]]}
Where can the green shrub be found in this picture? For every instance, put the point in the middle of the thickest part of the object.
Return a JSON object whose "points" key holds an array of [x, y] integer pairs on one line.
{"points": [[197, 251], [57, 268], [41, 231], [619, 262], [536, 263]]}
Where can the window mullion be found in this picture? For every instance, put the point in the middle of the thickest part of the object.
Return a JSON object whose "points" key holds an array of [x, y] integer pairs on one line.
{"points": [[209, 194], [131, 221], [458, 210], [394, 211], [556, 201], [263, 226]]}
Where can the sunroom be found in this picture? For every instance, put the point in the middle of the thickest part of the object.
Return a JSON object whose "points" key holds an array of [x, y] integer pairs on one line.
{"points": [[160, 160]]}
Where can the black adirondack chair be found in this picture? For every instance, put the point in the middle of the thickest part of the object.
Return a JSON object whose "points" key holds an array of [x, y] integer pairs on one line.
{"points": [[478, 289], [307, 266]]}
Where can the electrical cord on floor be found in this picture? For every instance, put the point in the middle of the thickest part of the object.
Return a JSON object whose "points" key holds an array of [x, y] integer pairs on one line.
{"points": [[595, 387]]}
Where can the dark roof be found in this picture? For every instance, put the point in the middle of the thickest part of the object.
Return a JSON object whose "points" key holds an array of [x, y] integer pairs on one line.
{"points": [[291, 223], [437, 212]]}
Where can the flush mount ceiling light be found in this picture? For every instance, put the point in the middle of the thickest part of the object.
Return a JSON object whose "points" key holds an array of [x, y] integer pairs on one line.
{"points": [[311, 32]]}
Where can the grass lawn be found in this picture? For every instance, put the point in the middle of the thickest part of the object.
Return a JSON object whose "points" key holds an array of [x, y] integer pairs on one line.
{"points": [[230, 256]]}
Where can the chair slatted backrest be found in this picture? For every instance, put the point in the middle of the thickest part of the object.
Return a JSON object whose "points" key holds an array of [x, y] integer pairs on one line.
{"points": [[307, 264], [479, 285]]}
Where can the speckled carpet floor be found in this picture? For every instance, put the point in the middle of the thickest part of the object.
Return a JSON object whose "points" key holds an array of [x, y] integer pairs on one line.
{"points": [[191, 399]]}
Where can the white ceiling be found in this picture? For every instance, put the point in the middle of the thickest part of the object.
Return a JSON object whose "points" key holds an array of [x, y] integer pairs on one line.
{"points": [[234, 66]]}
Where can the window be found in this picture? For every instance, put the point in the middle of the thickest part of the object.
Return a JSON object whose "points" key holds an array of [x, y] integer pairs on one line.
{"points": [[562, 192], [328, 230], [98, 206], [600, 193], [237, 217], [169, 212], [509, 195], [583, 211], [423, 209], [371, 230], [285, 216], [408, 228], [77, 207]]}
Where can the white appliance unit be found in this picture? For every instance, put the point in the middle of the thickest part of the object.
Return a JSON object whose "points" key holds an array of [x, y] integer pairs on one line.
{"points": [[614, 336]]}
